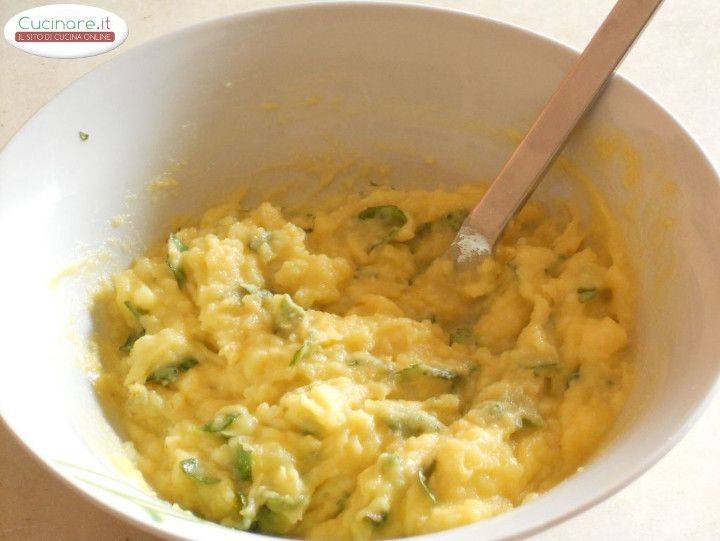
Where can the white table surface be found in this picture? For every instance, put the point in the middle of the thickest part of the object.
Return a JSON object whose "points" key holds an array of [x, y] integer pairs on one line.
{"points": [[677, 60]]}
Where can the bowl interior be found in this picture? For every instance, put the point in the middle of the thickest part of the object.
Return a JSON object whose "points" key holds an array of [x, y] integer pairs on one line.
{"points": [[437, 97]]}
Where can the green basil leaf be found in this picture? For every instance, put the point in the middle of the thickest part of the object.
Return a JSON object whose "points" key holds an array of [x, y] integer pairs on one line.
{"points": [[573, 376], [287, 314], [456, 218], [134, 310], [243, 464], [410, 422], [220, 422], [301, 352], [389, 215], [423, 476], [390, 461], [191, 467], [461, 335], [175, 248], [131, 339], [427, 370], [586, 294], [540, 367], [180, 245], [252, 289], [178, 273], [171, 372], [136, 335]]}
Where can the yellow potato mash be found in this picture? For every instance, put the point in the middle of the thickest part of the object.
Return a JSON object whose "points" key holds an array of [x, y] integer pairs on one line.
{"points": [[320, 373]]}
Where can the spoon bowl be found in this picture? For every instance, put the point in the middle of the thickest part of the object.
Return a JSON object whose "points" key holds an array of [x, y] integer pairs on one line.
{"points": [[576, 93]]}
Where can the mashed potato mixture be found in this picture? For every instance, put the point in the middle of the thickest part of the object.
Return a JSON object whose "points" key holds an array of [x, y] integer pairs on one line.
{"points": [[320, 373]]}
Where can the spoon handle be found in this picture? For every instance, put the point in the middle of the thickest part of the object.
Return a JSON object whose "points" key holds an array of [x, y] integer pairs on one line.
{"points": [[581, 85]]}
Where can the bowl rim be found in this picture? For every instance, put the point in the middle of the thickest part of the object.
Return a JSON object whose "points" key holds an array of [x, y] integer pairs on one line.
{"points": [[398, 6]]}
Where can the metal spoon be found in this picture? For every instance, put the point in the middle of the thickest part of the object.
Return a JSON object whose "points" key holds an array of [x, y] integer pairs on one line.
{"points": [[521, 174]]}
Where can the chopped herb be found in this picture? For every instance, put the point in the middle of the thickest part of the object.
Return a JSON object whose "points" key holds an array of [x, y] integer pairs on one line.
{"points": [[136, 335], [531, 420], [341, 504], [171, 372], [555, 267], [586, 294], [174, 258], [283, 502], [423, 476], [453, 220], [410, 422], [83, 136], [250, 289], [366, 272], [537, 368], [427, 370], [266, 521], [542, 366], [491, 410], [134, 310], [279, 513], [573, 376], [456, 218], [365, 359], [377, 518], [287, 314], [424, 229], [389, 216], [191, 467], [243, 464], [178, 273], [131, 339], [502, 411], [390, 460], [301, 352], [179, 245], [242, 499], [220, 422], [245, 289], [461, 335], [290, 309]]}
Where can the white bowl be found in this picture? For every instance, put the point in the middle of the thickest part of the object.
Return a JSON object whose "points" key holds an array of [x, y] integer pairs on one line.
{"points": [[398, 83]]}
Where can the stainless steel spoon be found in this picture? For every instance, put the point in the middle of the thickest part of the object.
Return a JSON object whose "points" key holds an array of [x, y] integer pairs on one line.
{"points": [[578, 90]]}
